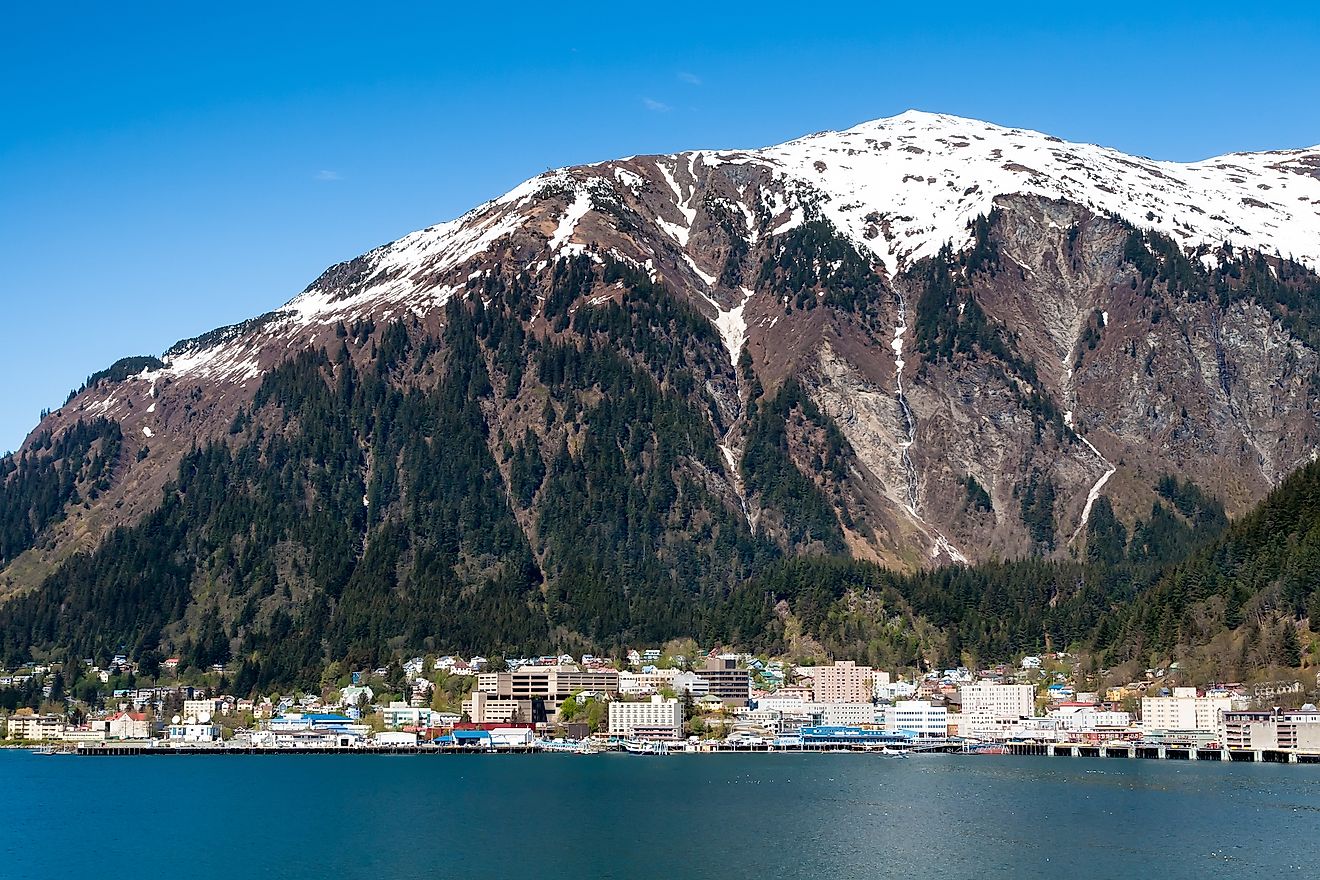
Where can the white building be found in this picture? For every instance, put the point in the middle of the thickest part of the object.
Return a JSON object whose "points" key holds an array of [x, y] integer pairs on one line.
{"points": [[657, 718], [794, 706], [1183, 711], [398, 714], [917, 718], [847, 714], [648, 681], [987, 706], [395, 738], [26, 725], [1089, 719], [128, 725], [350, 695], [192, 731], [892, 692], [316, 722], [511, 737], [758, 720]]}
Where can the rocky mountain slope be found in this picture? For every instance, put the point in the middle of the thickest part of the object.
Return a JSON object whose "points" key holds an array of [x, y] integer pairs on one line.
{"points": [[587, 410]]}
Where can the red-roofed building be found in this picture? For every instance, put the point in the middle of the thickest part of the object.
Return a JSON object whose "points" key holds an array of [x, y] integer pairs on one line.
{"points": [[128, 725]]}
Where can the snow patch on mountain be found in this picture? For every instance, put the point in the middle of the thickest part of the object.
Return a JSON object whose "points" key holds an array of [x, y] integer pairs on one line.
{"points": [[926, 175], [573, 215]]}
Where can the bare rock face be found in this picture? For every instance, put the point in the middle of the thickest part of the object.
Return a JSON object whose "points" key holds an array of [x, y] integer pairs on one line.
{"points": [[1000, 326]]}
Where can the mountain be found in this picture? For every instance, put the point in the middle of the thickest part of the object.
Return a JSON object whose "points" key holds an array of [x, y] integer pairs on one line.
{"points": [[596, 408]]}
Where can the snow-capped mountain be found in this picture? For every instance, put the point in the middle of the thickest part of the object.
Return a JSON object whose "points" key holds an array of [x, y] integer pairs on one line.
{"points": [[900, 188], [923, 339]]}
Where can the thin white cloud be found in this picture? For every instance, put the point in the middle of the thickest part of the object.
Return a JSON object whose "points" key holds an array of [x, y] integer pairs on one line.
{"points": [[326, 175], [655, 106], [690, 78]]}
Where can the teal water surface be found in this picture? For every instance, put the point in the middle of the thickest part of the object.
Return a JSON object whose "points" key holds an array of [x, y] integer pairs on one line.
{"points": [[683, 816]]}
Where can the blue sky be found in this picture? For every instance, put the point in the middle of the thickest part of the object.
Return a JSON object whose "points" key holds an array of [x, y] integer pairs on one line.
{"points": [[165, 169]]}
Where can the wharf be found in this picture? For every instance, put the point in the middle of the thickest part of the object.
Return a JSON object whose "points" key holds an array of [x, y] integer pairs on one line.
{"points": [[126, 749], [1138, 751], [1159, 752]]}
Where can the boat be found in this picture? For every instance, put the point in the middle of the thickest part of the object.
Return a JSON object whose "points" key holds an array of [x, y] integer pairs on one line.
{"points": [[893, 753], [645, 747], [567, 746]]}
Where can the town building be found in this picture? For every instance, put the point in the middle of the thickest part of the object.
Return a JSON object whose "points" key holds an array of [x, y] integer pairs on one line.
{"points": [[731, 685], [987, 707], [483, 708], [128, 725], [657, 718], [1184, 711], [1294, 730], [844, 682], [539, 690], [395, 738], [794, 705], [918, 719], [329, 727], [648, 681], [399, 715], [201, 709], [353, 694], [191, 731], [769, 722], [25, 724], [1087, 722], [847, 714]]}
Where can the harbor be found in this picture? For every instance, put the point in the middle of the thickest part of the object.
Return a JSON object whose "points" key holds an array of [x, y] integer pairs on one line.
{"points": [[1131, 751]]}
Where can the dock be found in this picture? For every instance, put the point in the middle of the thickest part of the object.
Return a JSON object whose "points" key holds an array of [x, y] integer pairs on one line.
{"points": [[1131, 751], [1160, 752]]}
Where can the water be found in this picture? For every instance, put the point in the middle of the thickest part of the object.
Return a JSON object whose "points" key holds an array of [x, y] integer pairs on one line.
{"points": [[684, 816]]}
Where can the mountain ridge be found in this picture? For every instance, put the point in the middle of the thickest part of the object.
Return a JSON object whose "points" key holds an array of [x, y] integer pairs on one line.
{"points": [[870, 342]]}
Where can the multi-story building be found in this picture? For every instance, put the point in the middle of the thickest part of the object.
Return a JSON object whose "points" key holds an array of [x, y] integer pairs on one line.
{"points": [[482, 708], [847, 714], [843, 682], [25, 724], [988, 706], [657, 718], [202, 710], [543, 688], [917, 718], [795, 706], [1183, 711], [399, 714], [1295, 730], [644, 682], [727, 682]]}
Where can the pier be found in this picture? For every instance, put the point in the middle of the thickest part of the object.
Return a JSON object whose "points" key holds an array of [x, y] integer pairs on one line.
{"points": [[1160, 752], [1132, 751]]}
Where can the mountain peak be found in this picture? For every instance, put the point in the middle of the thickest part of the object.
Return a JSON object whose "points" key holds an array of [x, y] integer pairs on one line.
{"points": [[928, 174]]}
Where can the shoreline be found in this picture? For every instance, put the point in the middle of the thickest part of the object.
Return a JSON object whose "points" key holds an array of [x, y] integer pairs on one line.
{"points": [[1041, 750]]}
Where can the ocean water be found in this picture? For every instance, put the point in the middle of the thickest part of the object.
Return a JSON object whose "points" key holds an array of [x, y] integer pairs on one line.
{"points": [[683, 816]]}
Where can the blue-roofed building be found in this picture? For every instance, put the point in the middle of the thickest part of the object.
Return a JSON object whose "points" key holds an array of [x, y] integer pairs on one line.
{"points": [[474, 739], [838, 735], [318, 722]]}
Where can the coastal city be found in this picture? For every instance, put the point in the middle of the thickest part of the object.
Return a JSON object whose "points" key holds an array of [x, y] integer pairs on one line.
{"points": [[657, 701]]}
